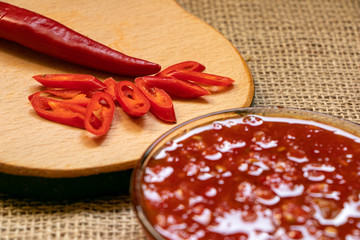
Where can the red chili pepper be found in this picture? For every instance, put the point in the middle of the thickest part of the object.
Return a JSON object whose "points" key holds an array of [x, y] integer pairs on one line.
{"points": [[110, 87], [204, 78], [131, 99], [64, 93], [161, 103], [182, 66], [50, 37], [68, 95], [176, 87], [58, 111], [70, 81], [80, 99], [101, 107]]}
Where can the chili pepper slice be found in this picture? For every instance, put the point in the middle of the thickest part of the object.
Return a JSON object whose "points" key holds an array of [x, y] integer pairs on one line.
{"points": [[161, 103], [176, 87], [81, 98], [131, 99], [101, 107], [70, 81], [110, 87], [64, 93], [70, 93], [204, 78], [58, 111], [182, 66], [45, 35]]}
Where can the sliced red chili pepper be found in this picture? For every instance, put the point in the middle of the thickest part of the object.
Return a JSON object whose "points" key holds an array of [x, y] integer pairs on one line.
{"points": [[58, 111], [70, 81], [53, 38], [182, 66], [161, 103], [64, 93], [176, 87], [204, 78], [110, 87], [131, 99], [101, 107], [68, 95], [80, 99]]}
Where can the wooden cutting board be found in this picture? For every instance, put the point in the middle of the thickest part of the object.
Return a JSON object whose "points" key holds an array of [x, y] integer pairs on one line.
{"points": [[159, 31]]}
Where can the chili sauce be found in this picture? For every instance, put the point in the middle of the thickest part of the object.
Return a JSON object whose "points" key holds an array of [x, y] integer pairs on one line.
{"points": [[256, 178]]}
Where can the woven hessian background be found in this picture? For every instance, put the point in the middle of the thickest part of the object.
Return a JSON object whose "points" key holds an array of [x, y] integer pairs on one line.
{"points": [[303, 54]]}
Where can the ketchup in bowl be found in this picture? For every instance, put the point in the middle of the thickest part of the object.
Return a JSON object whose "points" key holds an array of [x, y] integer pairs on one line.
{"points": [[254, 176]]}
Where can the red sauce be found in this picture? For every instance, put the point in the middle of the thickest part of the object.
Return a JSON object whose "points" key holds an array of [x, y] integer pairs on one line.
{"points": [[256, 178]]}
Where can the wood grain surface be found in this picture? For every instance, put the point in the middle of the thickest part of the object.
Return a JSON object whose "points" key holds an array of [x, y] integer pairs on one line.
{"points": [[159, 31]]}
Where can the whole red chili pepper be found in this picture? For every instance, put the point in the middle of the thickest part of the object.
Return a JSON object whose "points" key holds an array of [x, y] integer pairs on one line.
{"points": [[51, 37], [101, 107]]}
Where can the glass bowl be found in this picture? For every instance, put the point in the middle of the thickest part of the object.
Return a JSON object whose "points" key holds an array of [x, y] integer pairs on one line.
{"points": [[136, 188]]}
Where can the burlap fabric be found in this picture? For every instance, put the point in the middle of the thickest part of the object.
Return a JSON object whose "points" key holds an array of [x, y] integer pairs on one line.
{"points": [[303, 54]]}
